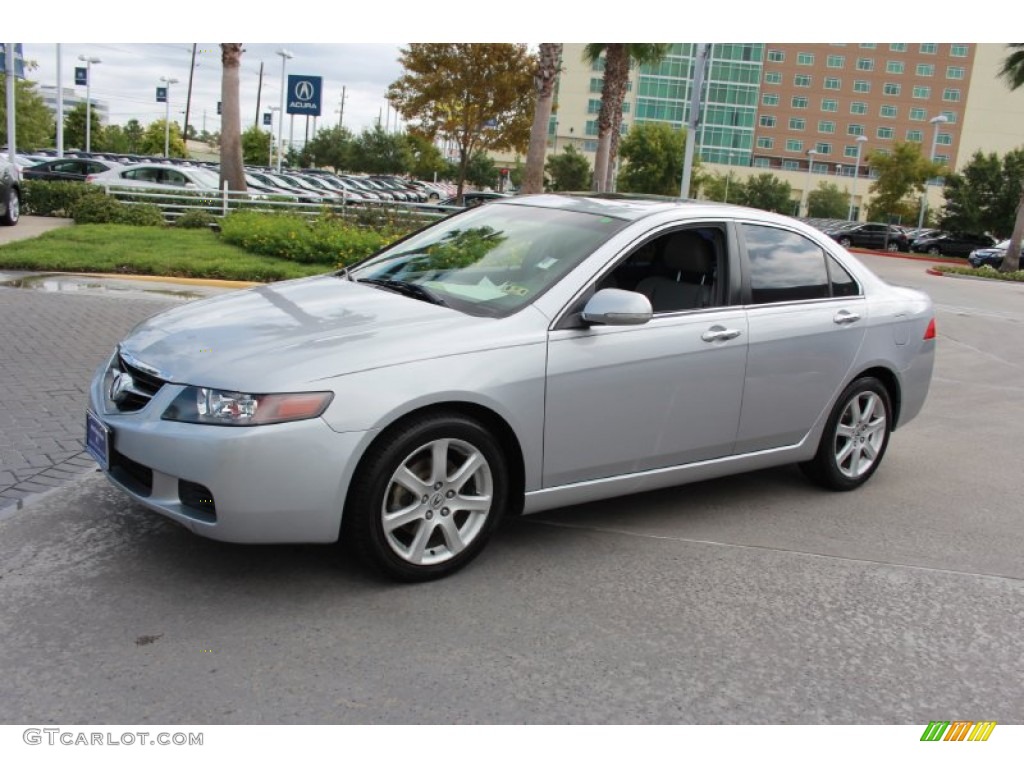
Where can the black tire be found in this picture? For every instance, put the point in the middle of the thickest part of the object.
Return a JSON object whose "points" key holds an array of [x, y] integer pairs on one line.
{"points": [[933, 251], [856, 437], [13, 212], [845, 242], [892, 247], [422, 548]]}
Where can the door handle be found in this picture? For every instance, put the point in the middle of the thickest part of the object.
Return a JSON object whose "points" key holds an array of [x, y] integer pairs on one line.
{"points": [[718, 333], [845, 317]]}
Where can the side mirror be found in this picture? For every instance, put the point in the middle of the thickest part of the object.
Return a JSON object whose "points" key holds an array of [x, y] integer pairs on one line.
{"points": [[612, 306]]}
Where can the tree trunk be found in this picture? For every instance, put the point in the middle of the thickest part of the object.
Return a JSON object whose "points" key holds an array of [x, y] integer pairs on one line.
{"points": [[548, 65], [621, 77], [615, 63], [1011, 261], [232, 169]]}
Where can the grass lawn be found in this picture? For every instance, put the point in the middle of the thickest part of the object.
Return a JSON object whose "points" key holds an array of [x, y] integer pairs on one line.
{"points": [[129, 250], [985, 273]]}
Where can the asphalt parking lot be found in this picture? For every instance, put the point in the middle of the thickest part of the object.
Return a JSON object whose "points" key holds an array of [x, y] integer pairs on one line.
{"points": [[754, 599]]}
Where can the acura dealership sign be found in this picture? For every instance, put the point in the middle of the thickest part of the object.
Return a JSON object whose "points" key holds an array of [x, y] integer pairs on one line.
{"points": [[304, 95]]}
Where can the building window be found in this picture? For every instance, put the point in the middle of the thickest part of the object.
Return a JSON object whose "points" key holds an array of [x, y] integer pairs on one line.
{"points": [[850, 150], [922, 92], [958, 51], [770, 99], [955, 73], [942, 159], [854, 129], [590, 129], [826, 126], [823, 148], [799, 102], [950, 117], [590, 146], [762, 162], [925, 70], [885, 133], [918, 113], [791, 165], [593, 106], [797, 124], [858, 108], [915, 134], [829, 105], [805, 59], [765, 142], [766, 121], [866, 65], [773, 78], [894, 67], [861, 86], [951, 94], [596, 84], [794, 145], [929, 48], [833, 83], [887, 110], [835, 61], [891, 89], [946, 139], [868, 45], [898, 47], [776, 55], [802, 81]]}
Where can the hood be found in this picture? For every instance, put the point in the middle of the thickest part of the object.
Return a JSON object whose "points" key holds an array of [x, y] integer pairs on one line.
{"points": [[291, 335]]}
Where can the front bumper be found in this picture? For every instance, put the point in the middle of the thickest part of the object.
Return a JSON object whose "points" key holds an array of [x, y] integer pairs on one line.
{"points": [[277, 483]]}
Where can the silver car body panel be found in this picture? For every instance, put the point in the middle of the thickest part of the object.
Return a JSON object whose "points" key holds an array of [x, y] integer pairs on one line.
{"points": [[595, 412]]}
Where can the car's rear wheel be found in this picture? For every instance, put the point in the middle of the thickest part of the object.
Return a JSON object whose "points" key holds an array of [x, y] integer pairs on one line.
{"points": [[933, 251], [428, 497], [855, 437], [892, 246], [845, 242], [10, 218]]}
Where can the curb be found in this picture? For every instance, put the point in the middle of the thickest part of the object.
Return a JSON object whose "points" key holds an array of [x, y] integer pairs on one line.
{"points": [[911, 257], [197, 281]]}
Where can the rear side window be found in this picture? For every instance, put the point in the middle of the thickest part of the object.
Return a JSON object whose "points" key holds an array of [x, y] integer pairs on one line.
{"points": [[843, 283], [784, 266]]}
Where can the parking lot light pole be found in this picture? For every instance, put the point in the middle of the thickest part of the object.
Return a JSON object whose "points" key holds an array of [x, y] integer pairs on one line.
{"points": [[807, 187], [938, 121], [89, 61], [285, 55], [856, 173], [168, 82]]}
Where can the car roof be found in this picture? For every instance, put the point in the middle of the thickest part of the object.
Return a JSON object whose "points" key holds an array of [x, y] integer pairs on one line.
{"points": [[635, 207]]}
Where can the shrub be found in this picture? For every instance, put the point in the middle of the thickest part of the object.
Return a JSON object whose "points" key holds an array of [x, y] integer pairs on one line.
{"points": [[97, 209], [55, 198], [142, 215], [196, 220]]}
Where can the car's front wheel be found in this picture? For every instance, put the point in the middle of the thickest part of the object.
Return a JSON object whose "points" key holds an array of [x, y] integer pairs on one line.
{"points": [[892, 246], [845, 242], [428, 497], [10, 218], [934, 251], [855, 437]]}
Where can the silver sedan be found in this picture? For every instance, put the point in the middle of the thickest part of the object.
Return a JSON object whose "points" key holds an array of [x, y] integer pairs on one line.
{"points": [[524, 355]]}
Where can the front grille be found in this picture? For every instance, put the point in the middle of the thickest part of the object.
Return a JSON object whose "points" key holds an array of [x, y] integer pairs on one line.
{"points": [[144, 386], [134, 476]]}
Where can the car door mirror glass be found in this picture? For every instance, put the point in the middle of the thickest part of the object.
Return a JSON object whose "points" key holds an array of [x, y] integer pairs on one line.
{"points": [[612, 306]]}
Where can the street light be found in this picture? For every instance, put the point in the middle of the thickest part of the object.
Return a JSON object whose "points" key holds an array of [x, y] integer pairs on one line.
{"points": [[168, 82], [807, 187], [270, 157], [89, 61], [937, 121], [285, 55], [856, 173]]}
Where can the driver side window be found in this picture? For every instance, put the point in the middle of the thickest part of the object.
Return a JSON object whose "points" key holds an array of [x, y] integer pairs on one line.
{"points": [[678, 271]]}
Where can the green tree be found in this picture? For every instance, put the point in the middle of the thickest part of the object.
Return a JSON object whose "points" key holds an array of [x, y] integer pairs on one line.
{"points": [[549, 63], [133, 132], [569, 171], [232, 171], [618, 59], [330, 148], [74, 129], [481, 171], [828, 201], [767, 192], [1012, 71], [35, 122], [983, 196], [153, 140], [255, 146], [426, 157], [653, 154], [901, 172], [377, 151], [476, 95], [722, 187]]}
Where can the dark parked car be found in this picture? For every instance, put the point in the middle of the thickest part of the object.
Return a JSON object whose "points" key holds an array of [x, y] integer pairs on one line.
{"points": [[10, 193], [950, 244], [473, 199], [992, 257], [68, 169], [879, 237]]}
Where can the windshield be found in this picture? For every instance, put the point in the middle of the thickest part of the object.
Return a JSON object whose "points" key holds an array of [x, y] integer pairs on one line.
{"points": [[495, 259]]}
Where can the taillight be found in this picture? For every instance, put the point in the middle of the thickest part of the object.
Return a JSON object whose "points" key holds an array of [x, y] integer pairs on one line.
{"points": [[930, 330]]}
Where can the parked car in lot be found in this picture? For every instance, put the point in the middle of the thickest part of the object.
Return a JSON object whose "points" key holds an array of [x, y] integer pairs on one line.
{"points": [[527, 354], [69, 169], [10, 193], [473, 199], [878, 237], [992, 257], [951, 244], [159, 176]]}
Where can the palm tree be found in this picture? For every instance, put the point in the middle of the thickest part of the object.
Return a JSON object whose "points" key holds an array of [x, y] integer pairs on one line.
{"points": [[549, 62], [1013, 72], [619, 58], [232, 169]]}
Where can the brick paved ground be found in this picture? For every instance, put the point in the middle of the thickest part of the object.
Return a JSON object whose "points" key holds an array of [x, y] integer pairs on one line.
{"points": [[50, 345]]}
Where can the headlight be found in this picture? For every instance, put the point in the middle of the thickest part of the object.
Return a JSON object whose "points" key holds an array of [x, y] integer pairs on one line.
{"points": [[199, 405]]}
